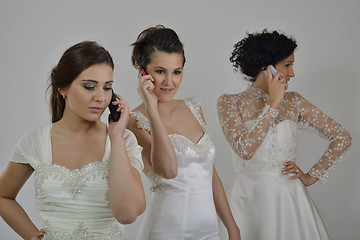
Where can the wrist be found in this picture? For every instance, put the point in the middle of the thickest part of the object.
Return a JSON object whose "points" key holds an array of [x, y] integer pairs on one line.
{"points": [[273, 104], [311, 179], [153, 113], [235, 231], [117, 139]]}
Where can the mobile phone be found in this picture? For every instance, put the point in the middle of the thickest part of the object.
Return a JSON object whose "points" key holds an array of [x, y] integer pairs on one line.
{"points": [[272, 69], [112, 108], [142, 71]]}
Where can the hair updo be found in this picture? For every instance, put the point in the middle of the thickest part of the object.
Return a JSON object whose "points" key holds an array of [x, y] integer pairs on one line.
{"points": [[155, 39], [258, 50]]}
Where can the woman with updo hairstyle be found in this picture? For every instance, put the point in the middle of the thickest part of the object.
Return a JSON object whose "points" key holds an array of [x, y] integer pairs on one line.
{"points": [[87, 172], [186, 193], [268, 193]]}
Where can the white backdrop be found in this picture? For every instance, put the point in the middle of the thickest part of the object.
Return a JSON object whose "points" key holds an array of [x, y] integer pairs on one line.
{"points": [[34, 34]]}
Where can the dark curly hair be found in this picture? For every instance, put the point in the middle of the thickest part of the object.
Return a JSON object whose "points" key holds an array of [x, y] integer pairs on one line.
{"points": [[258, 50], [158, 38]]}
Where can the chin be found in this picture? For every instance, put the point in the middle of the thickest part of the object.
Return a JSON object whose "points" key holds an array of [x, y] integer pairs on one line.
{"points": [[165, 99]]}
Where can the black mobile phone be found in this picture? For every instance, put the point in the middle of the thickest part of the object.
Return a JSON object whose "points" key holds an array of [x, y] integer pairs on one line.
{"points": [[112, 108]]}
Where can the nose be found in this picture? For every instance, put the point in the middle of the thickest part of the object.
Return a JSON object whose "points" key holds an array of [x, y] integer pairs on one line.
{"points": [[167, 80], [292, 73], [100, 95]]}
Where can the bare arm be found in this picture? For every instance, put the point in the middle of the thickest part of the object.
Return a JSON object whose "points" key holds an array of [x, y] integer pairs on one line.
{"points": [[11, 181], [158, 152], [221, 202], [223, 208], [126, 192]]}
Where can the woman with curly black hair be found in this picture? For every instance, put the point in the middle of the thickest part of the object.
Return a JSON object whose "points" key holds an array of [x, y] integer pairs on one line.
{"points": [[268, 194]]}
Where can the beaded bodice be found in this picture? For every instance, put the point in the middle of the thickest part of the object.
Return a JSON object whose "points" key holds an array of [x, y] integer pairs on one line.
{"points": [[253, 129], [74, 204], [191, 156]]}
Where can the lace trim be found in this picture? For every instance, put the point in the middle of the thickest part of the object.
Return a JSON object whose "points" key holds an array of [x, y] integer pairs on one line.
{"points": [[142, 121], [82, 233], [194, 104], [323, 174], [156, 186], [202, 148], [181, 144], [257, 92], [234, 110], [74, 181]]}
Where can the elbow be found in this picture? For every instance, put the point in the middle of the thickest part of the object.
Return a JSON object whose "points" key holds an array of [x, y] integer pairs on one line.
{"points": [[128, 219], [129, 215], [243, 153], [246, 156], [349, 139], [169, 173], [346, 139]]}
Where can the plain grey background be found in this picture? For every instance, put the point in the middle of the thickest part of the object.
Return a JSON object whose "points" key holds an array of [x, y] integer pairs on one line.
{"points": [[34, 34]]}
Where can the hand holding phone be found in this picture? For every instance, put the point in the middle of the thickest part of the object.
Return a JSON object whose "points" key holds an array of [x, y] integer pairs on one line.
{"points": [[272, 69], [115, 115]]}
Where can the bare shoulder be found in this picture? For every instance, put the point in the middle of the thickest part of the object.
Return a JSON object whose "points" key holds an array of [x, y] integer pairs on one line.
{"points": [[139, 108]]}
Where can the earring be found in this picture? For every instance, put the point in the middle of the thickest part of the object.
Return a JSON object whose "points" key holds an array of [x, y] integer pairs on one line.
{"points": [[63, 96]]}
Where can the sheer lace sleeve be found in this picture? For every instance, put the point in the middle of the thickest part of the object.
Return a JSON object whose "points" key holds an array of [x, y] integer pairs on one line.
{"points": [[339, 138], [243, 141]]}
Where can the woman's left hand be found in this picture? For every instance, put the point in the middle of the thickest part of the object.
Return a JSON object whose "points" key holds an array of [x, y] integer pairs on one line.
{"points": [[39, 235], [118, 128], [291, 167]]}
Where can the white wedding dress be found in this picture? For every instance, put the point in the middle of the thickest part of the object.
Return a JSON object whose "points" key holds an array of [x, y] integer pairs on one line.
{"points": [[74, 204], [182, 208], [265, 203]]}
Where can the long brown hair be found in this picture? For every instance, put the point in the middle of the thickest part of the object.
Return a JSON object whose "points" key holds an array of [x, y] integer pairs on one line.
{"points": [[75, 60]]}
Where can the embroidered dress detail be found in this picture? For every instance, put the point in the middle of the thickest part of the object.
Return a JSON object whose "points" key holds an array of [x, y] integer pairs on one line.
{"points": [[73, 180], [82, 233], [142, 121], [73, 204], [251, 105], [182, 208], [265, 203], [202, 148]]}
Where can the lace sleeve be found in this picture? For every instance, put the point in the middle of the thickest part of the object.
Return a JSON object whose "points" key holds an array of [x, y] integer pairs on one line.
{"points": [[244, 141], [339, 138]]}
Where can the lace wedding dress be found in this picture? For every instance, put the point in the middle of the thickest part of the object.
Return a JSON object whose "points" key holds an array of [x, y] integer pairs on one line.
{"points": [[265, 203], [74, 204], [182, 208]]}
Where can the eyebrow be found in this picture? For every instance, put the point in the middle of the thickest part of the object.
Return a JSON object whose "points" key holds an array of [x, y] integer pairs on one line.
{"points": [[93, 81], [162, 68]]}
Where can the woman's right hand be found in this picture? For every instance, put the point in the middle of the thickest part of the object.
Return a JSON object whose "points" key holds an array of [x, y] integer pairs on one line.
{"points": [[145, 88], [277, 86], [39, 235]]}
